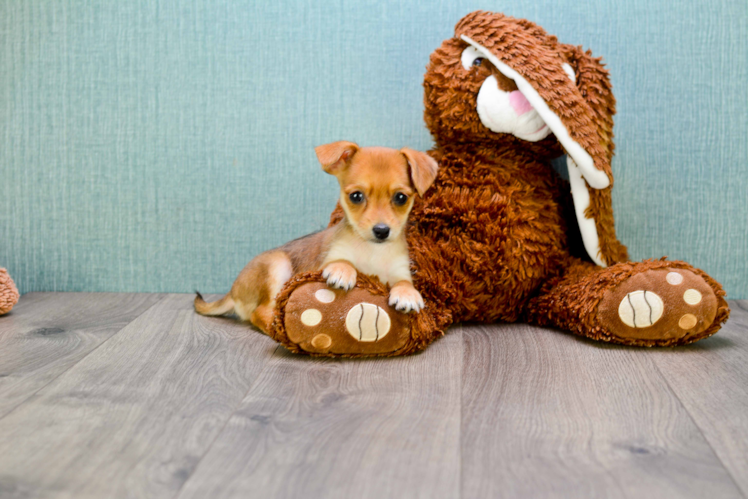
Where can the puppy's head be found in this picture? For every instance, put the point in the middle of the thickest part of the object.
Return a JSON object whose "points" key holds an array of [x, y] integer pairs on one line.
{"points": [[377, 185]]}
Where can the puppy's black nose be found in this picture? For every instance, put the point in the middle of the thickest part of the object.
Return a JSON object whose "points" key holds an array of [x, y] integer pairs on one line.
{"points": [[381, 231]]}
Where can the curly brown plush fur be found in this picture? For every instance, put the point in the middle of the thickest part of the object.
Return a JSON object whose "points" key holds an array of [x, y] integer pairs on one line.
{"points": [[496, 238], [8, 292]]}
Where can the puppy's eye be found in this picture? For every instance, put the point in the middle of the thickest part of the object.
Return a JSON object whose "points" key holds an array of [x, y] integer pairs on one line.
{"points": [[356, 197], [400, 199], [478, 61]]}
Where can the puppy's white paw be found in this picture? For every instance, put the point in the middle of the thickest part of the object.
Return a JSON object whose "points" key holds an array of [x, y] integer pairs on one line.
{"points": [[406, 299], [340, 275]]}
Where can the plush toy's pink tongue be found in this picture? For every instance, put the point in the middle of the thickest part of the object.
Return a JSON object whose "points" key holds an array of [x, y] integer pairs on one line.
{"points": [[519, 103]]}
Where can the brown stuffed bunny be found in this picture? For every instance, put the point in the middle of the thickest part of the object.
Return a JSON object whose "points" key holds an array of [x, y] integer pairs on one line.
{"points": [[499, 236], [8, 292]]}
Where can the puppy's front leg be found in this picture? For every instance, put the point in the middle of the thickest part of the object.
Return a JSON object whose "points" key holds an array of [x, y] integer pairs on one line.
{"points": [[340, 274], [405, 298]]}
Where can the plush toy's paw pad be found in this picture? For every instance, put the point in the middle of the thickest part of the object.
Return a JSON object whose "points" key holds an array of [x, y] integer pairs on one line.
{"points": [[331, 321], [659, 304], [639, 311], [367, 322]]}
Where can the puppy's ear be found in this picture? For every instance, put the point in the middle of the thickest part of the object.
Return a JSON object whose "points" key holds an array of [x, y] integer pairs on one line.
{"points": [[335, 156], [423, 169]]}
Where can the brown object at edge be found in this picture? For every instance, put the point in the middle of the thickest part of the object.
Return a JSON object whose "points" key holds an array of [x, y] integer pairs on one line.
{"points": [[8, 292]]}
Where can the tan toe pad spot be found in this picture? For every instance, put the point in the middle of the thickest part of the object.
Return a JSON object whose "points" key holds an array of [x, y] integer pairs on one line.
{"points": [[674, 278], [311, 317], [321, 341], [324, 295], [692, 297], [687, 321]]}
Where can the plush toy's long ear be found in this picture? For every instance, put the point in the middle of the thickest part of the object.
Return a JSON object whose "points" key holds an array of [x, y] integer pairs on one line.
{"points": [[571, 92], [594, 84]]}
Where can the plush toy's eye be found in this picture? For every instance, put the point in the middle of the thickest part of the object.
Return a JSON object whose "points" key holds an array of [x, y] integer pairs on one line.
{"points": [[400, 199], [471, 57], [356, 197]]}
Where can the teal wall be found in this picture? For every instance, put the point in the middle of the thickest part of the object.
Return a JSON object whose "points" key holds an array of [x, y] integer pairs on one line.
{"points": [[158, 146]]}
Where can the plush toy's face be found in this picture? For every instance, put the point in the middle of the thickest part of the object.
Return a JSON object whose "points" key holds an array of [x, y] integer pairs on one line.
{"points": [[504, 85], [501, 107], [468, 98]]}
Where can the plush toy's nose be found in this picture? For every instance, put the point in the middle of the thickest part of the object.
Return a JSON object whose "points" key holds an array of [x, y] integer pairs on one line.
{"points": [[519, 103]]}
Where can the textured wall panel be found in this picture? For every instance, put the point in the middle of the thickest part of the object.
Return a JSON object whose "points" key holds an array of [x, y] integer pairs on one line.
{"points": [[158, 146]]}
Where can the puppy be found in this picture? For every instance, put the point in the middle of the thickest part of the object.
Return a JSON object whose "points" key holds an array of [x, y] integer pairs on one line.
{"points": [[377, 187]]}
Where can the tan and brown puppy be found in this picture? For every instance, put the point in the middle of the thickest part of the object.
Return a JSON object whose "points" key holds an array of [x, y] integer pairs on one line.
{"points": [[377, 186]]}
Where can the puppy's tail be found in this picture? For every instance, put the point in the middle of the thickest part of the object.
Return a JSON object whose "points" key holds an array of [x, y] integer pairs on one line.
{"points": [[217, 308]]}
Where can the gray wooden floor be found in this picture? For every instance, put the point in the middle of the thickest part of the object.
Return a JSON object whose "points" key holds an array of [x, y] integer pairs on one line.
{"points": [[121, 395]]}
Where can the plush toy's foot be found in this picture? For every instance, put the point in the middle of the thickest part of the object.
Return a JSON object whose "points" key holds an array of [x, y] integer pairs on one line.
{"points": [[649, 303], [325, 321], [659, 304]]}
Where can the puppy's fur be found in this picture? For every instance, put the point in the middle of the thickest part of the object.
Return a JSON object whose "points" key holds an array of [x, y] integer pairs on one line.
{"points": [[377, 187]]}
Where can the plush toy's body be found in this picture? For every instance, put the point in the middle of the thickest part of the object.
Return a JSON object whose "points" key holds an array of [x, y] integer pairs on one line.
{"points": [[500, 236], [488, 235]]}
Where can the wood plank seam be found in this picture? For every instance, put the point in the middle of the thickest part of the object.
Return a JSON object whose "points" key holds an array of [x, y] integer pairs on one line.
{"points": [[342, 428], [226, 422], [21, 403], [697, 426], [458, 328], [133, 419], [736, 305], [640, 431]]}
